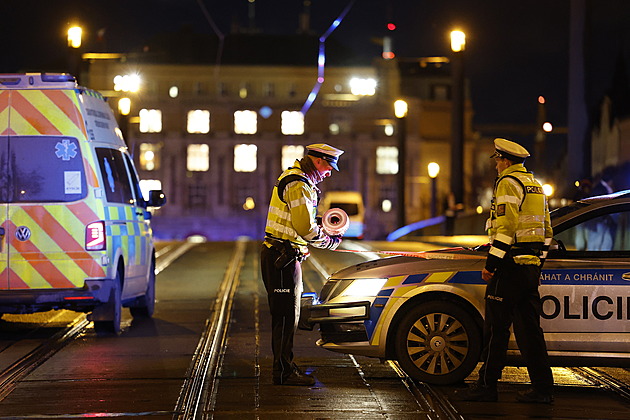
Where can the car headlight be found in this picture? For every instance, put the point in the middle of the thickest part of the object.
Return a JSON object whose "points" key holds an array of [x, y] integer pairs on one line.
{"points": [[364, 287]]}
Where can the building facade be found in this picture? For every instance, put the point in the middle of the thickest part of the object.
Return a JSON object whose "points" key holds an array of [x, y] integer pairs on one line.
{"points": [[216, 137]]}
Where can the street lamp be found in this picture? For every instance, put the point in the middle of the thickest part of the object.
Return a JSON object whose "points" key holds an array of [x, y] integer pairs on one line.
{"points": [[400, 111], [124, 109], [434, 170], [74, 55], [458, 45]]}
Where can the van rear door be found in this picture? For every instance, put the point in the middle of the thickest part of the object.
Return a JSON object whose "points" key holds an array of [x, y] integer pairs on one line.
{"points": [[44, 192], [4, 255]]}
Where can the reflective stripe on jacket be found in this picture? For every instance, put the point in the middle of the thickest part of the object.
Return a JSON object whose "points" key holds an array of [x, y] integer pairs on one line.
{"points": [[519, 219], [295, 218]]}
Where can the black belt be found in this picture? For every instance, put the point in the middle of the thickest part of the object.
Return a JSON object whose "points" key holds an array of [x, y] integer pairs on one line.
{"points": [[534, 249]]}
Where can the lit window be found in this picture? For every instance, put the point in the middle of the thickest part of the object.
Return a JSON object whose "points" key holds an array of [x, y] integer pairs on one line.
{"points": [[243, 92], [149, 156], [386, 160], [290, 154], [147, 185], [223, 89], [269, 90], [173, 92], [198, 157], [292, 123], [389, 130], [363, 87], [245, 122], [127, 83], [150, 121], [245, 156], [198, 121]]}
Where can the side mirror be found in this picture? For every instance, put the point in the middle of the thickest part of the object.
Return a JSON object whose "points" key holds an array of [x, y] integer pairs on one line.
{"points": [[156, 198]]}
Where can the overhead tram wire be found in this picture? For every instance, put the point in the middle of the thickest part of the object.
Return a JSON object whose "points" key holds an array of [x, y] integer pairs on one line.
{"points": [[216, 30], [321, 59]]}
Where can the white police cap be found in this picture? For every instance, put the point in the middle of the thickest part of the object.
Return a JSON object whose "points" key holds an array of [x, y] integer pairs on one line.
{"points": [[508, 149], [326, 152]]}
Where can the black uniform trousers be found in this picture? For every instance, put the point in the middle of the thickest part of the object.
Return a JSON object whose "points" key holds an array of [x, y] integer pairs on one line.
{"points": [[284, 291], [512, 298]]}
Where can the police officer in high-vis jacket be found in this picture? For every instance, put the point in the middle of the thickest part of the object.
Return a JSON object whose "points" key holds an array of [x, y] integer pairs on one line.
{"points": [[520, 233], [291, 227]]}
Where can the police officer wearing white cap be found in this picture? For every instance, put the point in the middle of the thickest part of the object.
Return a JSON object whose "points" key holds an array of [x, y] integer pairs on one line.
{"points": [[291, 227], [520, 232]]}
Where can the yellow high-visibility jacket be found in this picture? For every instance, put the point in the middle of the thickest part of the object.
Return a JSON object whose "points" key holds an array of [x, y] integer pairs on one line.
{"points": [[519, 222], [293, 217]]}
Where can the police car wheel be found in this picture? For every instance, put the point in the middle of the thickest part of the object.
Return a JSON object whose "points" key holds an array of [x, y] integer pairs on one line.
{"points": [[145, 306], [438, 343], [114, 307]]}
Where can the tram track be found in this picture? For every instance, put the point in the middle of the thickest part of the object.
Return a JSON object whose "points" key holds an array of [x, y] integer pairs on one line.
{"points": [[75, 328], [604, 380], [428, 398]]}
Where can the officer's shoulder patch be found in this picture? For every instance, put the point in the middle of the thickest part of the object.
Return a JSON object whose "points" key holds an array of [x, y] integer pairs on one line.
{"points": [[501, 210]]}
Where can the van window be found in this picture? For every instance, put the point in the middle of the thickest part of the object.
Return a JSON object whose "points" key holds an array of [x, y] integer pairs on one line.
{"points": [[114, 174], [135, 183], [41, 169]]}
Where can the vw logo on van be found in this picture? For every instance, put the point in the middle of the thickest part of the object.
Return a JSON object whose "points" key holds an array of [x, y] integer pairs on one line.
{"points": [[23, 233]]}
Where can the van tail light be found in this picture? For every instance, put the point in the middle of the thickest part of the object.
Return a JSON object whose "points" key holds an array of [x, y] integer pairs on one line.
{"points": [[95, 239]]}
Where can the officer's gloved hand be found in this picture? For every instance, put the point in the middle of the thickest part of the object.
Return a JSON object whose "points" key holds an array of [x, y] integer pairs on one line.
{"points": [[334, 242]]}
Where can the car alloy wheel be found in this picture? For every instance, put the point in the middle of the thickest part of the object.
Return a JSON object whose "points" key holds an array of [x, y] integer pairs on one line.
{"points": [[438, 342]]}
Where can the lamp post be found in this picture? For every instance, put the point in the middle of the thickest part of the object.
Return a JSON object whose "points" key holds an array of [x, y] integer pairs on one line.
{"points": [[400, 111], [124, 109], [434, 170], [458, 44], [75, 34]]}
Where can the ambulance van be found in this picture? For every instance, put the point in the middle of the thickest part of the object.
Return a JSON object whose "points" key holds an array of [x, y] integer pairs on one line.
{"points": [[74, 227]]}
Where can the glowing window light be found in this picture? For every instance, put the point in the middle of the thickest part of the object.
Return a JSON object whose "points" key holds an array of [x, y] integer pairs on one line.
{"points": [[173, 92], [362, 87], [127, 83], [249, 204], [198, 157], [245, 157], [147, 185], [149, 156], [290, 154], [386, 206], [198, 121], [292, 123], [150, 120], [389, 130], [386, 160], [245, 122]]}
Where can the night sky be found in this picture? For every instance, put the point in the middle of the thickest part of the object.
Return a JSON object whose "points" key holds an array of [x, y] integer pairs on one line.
{"points": [[516, 50]]}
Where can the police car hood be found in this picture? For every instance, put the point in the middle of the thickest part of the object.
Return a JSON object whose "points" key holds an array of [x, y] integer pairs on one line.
{"points": [[406, 263]]}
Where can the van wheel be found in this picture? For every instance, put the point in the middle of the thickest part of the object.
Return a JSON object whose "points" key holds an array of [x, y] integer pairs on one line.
{"points": [[145, 305], [110, 314], [438, 343]]}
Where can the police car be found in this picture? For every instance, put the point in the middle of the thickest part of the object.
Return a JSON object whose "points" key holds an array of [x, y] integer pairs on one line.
{"points": [[425, 309]]}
